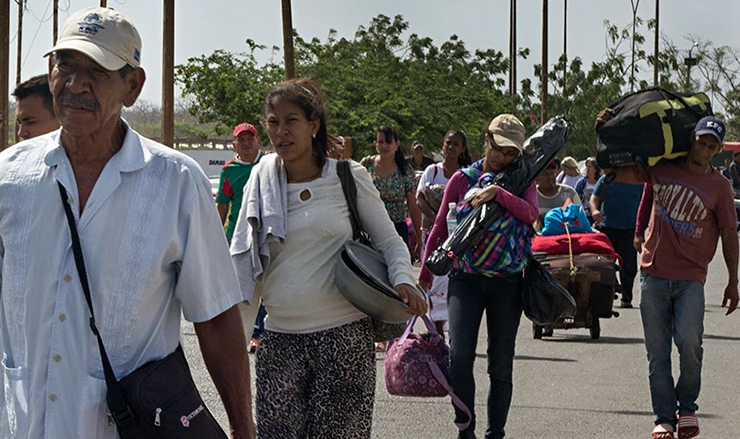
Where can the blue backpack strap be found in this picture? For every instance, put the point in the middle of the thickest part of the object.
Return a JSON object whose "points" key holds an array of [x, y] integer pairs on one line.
{"points": [[473, 172], [580, 186]]}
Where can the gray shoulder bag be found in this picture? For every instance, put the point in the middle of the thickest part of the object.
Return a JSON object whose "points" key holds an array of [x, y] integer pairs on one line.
{"points": [[381, 331]]}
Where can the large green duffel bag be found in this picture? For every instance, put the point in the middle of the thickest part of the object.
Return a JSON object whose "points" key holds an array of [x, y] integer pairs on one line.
{"points": [[650, 125]]}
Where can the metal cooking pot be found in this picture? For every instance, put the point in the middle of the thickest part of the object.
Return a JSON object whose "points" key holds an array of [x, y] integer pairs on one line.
{"points": [[362, 277]]}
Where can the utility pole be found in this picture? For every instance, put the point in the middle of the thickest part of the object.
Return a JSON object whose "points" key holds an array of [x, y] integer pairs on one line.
{"points": [[543, 77], [19, 54], [656, 67], [168, 74], [689, 63], [56, 23], [634, 29], [288, 40], [512, 49], [565, 47], [4, 70]]}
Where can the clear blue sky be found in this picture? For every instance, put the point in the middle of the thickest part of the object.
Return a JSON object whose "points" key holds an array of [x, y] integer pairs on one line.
{"points": [[202, 26]]}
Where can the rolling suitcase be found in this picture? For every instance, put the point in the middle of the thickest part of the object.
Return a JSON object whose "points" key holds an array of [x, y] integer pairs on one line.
{"points": [[602, 292]]}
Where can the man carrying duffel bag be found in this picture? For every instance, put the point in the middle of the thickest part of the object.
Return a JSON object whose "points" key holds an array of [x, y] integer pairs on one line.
{"points": [[692, 208]]}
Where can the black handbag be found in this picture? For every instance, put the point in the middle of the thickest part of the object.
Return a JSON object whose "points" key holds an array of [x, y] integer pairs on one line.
{"points": [[381, 331], [159, 400]]}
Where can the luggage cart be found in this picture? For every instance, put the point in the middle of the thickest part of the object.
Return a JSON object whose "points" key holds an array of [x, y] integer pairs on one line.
{"points": [[592, 284]]}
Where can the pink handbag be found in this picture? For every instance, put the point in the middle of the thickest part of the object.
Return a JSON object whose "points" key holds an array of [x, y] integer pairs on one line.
{"points": [[418, 365]]}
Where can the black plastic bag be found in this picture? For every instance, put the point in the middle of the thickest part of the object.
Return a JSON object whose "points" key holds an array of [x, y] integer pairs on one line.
{"points": [[539, 150], [544, 300]]}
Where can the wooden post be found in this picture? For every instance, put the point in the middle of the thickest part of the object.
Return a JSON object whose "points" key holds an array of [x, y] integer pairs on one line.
{"points": [[634, 29], [512, 49], [288, 40], [348, 148], [168, 73], [543, 77], [19, 54], [56, 23], [565, 46], [4, 70], [656, 67]]}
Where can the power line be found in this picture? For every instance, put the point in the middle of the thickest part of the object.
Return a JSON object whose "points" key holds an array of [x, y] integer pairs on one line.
{"points": [[42, 19], [34, 36]]}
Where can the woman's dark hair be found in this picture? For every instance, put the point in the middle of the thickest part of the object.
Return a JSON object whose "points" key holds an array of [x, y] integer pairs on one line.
{"points": [[391, 135], [306, 95], [597, 168], [464, 158]]}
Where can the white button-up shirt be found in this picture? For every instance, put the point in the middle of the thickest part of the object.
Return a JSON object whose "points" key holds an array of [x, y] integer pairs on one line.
{"points": [[154, 248]]}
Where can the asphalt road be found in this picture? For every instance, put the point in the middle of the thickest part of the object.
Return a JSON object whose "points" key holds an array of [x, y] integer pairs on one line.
{"points": [[567, 386]]}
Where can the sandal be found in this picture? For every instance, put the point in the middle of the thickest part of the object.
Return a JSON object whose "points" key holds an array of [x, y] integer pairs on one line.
{"points": [[663, 431], [380, 346], [688, 426]]}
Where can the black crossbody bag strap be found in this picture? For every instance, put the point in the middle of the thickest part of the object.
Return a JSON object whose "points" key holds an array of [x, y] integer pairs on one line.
{"points": [[344, 172], [120, 411]]}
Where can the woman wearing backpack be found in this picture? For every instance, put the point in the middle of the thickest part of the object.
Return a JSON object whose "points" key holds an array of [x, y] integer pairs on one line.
{"points": [[428, 197], [489, 277]]}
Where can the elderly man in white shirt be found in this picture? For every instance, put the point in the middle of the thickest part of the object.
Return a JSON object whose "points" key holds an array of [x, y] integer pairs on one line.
{"points": [[150, 235]]}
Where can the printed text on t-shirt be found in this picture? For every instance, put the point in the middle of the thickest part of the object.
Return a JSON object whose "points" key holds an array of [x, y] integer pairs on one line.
{"points": [[680, 207]]}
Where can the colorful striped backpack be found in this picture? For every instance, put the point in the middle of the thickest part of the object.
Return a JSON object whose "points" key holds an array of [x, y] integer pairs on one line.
{"points": [[503, 250]]}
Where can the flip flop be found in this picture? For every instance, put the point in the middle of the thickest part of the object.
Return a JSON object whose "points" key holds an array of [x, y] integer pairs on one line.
{"points": [[663, 431], [688, 426]]}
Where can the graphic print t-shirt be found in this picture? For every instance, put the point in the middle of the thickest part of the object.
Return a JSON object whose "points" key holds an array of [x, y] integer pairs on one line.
{"points": [[689, 210]]}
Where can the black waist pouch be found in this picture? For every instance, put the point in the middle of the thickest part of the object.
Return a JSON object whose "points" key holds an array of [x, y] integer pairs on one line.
{"points": [[164, 403]]}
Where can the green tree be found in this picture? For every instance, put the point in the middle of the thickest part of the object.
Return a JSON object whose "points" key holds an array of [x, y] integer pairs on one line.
{"points": [[380, 76], [227, 88], [585, 93], [720, 69]]}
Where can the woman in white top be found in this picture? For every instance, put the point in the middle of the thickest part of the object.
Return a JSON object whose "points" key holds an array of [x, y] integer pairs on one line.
{"points": [[585, 186], [456, 156], [571, 174], [315, 362], [428, 197]]}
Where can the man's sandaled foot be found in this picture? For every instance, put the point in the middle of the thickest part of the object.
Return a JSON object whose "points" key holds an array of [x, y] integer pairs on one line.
{"points": [[688, 426], [663, 431]]}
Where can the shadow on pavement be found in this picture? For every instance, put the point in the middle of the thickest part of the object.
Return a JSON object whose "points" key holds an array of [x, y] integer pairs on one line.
{"points": [[615, 412], [550, 359], [531, 358], [586, 338], [721, 337]]}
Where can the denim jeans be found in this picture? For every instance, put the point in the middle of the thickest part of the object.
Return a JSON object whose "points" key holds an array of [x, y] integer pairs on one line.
{"points": [[259, 323], [673, 311], [403, 231], [468, 296]]}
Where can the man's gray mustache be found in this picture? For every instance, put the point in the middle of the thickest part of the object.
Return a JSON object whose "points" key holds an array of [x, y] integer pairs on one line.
{"points": [[77, 101]]}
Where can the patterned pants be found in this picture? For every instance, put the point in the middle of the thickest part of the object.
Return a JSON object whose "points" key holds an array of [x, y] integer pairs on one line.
{"points": [[316, 385]]}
